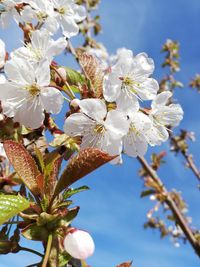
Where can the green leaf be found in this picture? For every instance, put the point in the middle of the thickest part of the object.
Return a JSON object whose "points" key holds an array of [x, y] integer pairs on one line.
{"points": [[85, 162], [74, 77], [75, 89], [35, 232], [71, 214], [64, 258], [11, 205], [70, 192]]}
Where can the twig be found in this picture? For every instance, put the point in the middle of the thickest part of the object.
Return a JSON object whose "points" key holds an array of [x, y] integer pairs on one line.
{"points": [[173, 207], [191, 165], [31, 250], [48, 250]]}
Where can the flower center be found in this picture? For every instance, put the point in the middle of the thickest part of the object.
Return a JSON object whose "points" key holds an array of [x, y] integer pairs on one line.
{"points": [[130, 83], [36, 53], [99, 128], [132, 129], [41, 16], [61, 10], [33, 89]]}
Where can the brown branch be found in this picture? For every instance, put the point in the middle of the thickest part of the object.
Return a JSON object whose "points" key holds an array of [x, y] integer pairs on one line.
{"points": [[191, 164], [181, 221]]}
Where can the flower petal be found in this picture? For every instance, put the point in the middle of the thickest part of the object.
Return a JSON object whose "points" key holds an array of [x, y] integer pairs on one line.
{"points": [[111, 87], [94, 108], [69, 27], [52, 99]]}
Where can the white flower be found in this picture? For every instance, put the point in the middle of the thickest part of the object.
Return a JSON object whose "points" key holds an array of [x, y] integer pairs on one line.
{"points": [[162, 116], [130, 77], [9, 11], [41, 47], [98, 128], [135, 143], [27, 94], [67, 15], [79, 244], [42, 11], [2, 54]]}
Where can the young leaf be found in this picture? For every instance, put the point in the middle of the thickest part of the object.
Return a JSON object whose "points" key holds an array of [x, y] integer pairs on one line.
{"points": [[74, 77], [70, 192], [86, 161], [35, 232], [94, 73], [24, 165], [11, 205]]}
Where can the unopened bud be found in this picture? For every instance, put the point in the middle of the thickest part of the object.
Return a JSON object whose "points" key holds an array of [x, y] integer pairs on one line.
{"points": [[60, 75], [74, 104], [79, 244]]}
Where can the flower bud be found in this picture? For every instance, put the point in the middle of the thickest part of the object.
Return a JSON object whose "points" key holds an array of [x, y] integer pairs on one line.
{"points": [[74, 104], [79, 244], [60, 73]]}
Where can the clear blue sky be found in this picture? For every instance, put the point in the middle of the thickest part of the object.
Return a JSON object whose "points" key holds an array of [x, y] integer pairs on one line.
{"points": [[112, 210]]}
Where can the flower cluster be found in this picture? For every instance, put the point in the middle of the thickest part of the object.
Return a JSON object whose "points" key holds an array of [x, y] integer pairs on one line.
{"points": [[118, 123]]}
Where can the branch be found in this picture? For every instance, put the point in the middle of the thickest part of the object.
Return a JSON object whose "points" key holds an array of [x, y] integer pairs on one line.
{"points": [[172, 205]]}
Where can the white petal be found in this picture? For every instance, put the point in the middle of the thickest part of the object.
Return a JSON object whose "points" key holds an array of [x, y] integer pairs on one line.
{"points": [[161, 99], [148, 89], [77, 124], [94, 108], [51, 24], [69, 27], [111, 87], [156, 135], [42, 73], [80, 13], [117, 124], [30, 114], [20, 71], [52, 99], [135, 145], [57, 47], [127, 104], [144, 65]]}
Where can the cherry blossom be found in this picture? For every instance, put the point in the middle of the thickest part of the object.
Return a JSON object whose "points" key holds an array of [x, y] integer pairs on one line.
{"points": [[67, 14], [9, 11], [135, 143], [79, 244], [99, 128], [41, 11], [41, 47], [162, 115], [130, 76], [27, 94]]}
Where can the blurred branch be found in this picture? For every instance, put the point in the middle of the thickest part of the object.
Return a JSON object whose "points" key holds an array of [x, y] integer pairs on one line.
{"points": [[172, 205]]}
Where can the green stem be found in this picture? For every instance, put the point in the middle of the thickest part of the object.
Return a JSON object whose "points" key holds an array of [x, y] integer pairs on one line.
{"points": [[31, 250], [47, 252]]}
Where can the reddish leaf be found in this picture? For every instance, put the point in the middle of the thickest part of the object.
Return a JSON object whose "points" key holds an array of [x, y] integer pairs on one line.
{"points": [[24, 165], [93, 72], [52, 178], [125, 264], [86, 161]]}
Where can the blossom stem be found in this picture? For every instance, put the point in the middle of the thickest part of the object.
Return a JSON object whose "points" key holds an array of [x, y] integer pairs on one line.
{"points": [[172, 206], [48, 250], [69, 91]]}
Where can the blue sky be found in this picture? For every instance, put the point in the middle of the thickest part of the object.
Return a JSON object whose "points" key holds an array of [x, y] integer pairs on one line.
{"points": [[112, 210]]}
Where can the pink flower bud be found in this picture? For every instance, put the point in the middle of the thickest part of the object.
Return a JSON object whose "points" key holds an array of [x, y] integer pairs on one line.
{"points": [[61, 73], [79, 244], [75, 104]]}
